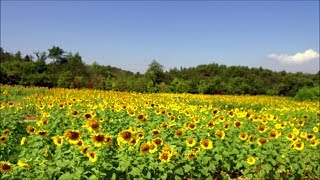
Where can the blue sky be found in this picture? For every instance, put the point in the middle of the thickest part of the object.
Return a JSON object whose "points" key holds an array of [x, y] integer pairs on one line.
{"points": [[129, 34]]}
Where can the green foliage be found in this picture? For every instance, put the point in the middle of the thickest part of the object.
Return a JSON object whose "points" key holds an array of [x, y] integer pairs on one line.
{"points": [[69, 70], [307, 94]]}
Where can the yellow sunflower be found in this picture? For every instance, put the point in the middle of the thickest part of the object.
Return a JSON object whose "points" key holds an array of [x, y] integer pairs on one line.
{"points": [[251, 160], [262, 141], [6, 167], [57, 140], [144, 148], [72, 136], [243, 136], [191, 155], [92, 125], [92, 156], [3, 139], [220, 134], [206, 144], [98, 139], [23, 165], [42, 133], [165, 156], [31, 129], [158, 141], [23, 141], [179, 133], [190, 142], [237, 124]]}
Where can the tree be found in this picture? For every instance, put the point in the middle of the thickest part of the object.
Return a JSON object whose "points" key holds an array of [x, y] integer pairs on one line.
{"points": [[57, 54], [155, 72]]}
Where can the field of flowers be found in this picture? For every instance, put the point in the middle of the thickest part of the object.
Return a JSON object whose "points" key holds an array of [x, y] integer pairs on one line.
{"points": [[91, 134]]}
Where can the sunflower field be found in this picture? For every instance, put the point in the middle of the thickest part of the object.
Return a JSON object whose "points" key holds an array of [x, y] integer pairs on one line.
{"points": [[92, 134]]}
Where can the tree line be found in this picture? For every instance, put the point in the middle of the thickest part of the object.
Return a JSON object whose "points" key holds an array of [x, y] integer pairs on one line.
{"points": [[57, 68]]}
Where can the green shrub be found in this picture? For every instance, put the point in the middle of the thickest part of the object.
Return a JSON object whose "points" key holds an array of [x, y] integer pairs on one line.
{"points": [[307, 94]]}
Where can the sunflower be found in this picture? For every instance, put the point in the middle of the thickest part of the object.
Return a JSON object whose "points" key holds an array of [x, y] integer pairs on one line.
{"points": [[168, 149], [92, 125], [165, 157], [144, 148], [179, 133], [220, 134], [192, 126], [262, 141], [87, 116], [141, 118], [237, 124], [299, 145], [290, 136], [155, 132], [226, 126], [262, 128], [301, 123], [23, 165], [251, 160], [31, 129], [311, 136], [3, 139], [164, 125], [42, 133], [315, 129], [274, 134], [303, 135], [126, 135], [134, 141], [158, 141], [243, 136], [84, 149], [23, 141], [295, 131], [92, 156], [190, 142], [72, 136], [215, 112], [211, 124], [98, 139], [10, 104], [57, 140], [196, 149], [206, 144], [140, 134], [6, 131], [5, 167], [191, 155], [313, 143], [152, 147], [221, 118], [251, 139], [130, 112], [80, 143]]}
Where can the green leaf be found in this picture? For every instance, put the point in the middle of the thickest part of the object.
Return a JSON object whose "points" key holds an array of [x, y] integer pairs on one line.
{"points": [[93, 177], [65, 176], [266, 167], [164, 176], [187, 168], [239, 165], [179, 171], [206, 160], [148, 175], [135, 171], [114, 176], [217, 157]]}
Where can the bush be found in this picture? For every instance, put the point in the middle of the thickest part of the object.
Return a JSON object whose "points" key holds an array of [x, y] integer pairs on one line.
{"points": [[306, 94]]}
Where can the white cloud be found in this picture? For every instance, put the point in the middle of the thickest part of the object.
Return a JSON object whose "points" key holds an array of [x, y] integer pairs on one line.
{"points": [[296, 58]]}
